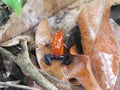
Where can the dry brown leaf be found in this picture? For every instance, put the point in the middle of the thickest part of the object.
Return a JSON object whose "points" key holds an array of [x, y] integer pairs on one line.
{"points": [[67, 18], [43, 36], [99, 42], [79, 72], [116, 30]]}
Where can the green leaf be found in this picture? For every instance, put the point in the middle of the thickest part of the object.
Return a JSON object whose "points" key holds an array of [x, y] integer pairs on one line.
{"points": [[15, 4]]}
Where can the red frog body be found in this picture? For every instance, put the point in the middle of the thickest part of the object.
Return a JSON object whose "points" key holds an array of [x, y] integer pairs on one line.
{"points": [[58, 44], [57, 50]]}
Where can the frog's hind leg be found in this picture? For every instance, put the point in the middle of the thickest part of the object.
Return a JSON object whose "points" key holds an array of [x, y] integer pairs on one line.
{"points": [[66, 59]]}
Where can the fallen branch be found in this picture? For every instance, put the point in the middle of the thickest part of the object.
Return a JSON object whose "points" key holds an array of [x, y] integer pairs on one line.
{"points": [[8, 84], [25, 64]]}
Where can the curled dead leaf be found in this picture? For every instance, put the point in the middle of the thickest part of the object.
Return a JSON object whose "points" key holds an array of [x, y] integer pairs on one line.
{"points": [[79, 72], [73, 50]]}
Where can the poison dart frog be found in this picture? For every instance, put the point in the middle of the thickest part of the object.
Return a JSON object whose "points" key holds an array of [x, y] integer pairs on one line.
{"points": [[57, 50]]}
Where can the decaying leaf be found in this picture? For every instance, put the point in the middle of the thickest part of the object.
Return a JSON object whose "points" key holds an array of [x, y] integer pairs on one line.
{"points": [[116, 30], [79, 72], [99, 44], [43, 37], [67, 18]]}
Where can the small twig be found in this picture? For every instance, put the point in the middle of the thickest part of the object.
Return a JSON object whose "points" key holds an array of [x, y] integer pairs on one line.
{"points": [[3, 86], [17, 86]]}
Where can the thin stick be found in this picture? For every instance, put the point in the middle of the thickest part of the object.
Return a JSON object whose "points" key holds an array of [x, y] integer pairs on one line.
{"points": [[17, 86]]}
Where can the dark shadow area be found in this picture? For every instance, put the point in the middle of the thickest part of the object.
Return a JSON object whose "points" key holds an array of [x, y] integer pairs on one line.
{"points": [[115, 13]]}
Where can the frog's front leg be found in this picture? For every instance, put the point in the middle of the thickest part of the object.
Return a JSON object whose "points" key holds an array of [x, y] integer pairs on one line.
{"points": [[47, 59]]}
